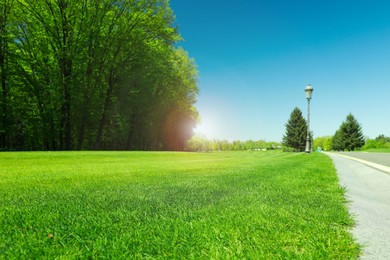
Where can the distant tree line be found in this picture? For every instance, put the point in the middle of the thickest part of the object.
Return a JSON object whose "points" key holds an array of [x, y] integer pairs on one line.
{"points": [[381, 141], [94, 74], [202, 144]]}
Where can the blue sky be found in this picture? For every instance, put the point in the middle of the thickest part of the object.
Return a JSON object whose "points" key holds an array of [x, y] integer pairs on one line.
{"points": [[255, 59]]}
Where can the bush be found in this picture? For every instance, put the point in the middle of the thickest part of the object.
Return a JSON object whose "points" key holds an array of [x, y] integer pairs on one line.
{"points": [[376, 143], [324, 142], [372, 144], [289, 149]]}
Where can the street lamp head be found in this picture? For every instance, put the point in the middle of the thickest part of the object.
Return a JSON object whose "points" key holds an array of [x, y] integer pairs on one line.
{"points": [[308, 91]]}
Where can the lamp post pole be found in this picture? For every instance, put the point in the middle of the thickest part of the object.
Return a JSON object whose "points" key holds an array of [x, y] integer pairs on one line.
{"points": [[308, 91]]}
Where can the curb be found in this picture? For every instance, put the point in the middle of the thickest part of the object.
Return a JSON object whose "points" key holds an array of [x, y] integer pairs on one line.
{"points": [[371, 164]]}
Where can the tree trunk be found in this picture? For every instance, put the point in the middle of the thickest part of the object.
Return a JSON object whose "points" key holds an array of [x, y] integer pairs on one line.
{"points": [[4, 70], [4, 110], [83, 120], [130, 135], [105, 109], [66, 137], [66, 73]]}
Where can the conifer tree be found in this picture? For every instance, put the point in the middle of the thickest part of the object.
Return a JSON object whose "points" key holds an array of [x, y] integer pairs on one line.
{"points": [[296, 131], [349, 136]]}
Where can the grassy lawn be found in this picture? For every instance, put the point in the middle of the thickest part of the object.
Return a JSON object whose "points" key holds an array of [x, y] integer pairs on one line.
{"points": [[377, 150], [172, 205]]}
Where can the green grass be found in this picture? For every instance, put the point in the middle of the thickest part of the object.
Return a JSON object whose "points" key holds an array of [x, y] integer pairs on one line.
{"points": [[133, 205], [377, 150]]}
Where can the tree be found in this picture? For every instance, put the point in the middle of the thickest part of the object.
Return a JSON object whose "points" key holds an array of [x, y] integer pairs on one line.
{"points": [[102, 74], [296, 131], [328, 144], [349, 136], [382, 139], [5, 11], [337, 141]]}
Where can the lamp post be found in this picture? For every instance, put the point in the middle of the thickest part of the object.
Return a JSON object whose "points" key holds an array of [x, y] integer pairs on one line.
{"points": [[309, 92]]}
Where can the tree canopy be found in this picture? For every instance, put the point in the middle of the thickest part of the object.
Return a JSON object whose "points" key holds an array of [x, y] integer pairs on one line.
{"points": [[102, 74], [296, 131]]}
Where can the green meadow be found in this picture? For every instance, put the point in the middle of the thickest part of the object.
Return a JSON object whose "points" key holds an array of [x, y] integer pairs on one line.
{"points": [[166, 205]]}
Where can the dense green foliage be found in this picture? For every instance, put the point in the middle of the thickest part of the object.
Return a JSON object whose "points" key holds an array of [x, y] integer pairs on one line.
{"points": [[296, 131], [201, 144], [381, 142], [324, 142], [132, 205], [349, 136], [93, 74]]}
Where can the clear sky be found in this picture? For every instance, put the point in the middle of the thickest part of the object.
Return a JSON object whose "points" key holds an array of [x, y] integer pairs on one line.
{"points": [[255, 58]]}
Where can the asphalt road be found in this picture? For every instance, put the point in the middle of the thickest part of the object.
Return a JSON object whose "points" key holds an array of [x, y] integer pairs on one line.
{"points": [[380, 158], [368, 191]]}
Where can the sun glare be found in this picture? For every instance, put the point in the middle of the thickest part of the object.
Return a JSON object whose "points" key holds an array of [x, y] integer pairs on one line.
{"points": [[205, 128]]}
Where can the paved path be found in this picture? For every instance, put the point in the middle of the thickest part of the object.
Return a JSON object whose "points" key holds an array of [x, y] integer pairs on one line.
{"points": [[368, 191]]}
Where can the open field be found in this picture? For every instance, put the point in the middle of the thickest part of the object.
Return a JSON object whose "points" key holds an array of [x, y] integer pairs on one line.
{"points": [[172, 205]]}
